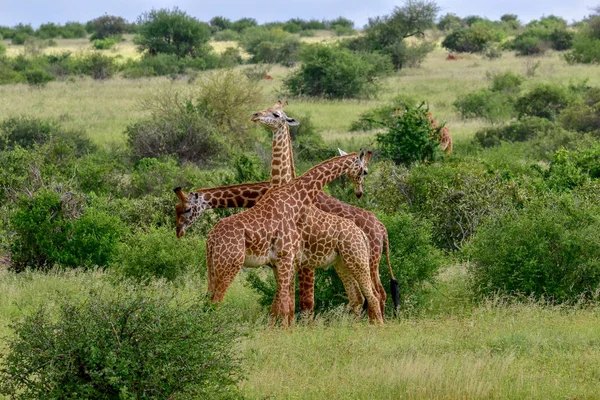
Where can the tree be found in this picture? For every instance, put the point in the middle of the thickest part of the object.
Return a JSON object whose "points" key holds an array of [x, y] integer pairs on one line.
{"points": [[219, 24], [107, 25], [450, 22], [243, 23], [386, 33], [172, 32]]}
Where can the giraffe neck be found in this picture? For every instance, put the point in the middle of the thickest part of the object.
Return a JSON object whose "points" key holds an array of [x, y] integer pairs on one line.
{"points": [[314, 180], [245, 195], [282, 164]]}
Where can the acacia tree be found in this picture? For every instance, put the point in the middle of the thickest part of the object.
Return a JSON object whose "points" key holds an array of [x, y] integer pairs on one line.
{"points": [[386, 34], [172, 32], [107, 25]]}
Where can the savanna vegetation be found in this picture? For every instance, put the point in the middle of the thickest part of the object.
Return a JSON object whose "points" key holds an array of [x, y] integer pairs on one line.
{"points": [[495, 246]]}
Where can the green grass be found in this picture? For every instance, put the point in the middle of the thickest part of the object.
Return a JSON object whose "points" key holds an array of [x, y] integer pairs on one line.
{"points": [[494, 350]]}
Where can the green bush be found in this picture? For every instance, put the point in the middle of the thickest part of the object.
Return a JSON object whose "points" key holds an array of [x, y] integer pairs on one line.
{"points": [[158, 253], [20, 38], [585, 50], [493, 106], [527, 44], [38, 77], [335, 72], [27, 131], [544, 101], [107, 26], [457, 198], [583, 116], [409, 137], [308, 145], [226, 35], [129, 345], [270, 45], [2, 49], [521, 130], [106, 43], [414, 259], [230, 58], [549, 249], [172, 32], [52, 228], [450, 22], [96, 65], [507, 82], [474, 39], [561, 39], [379, 116]]}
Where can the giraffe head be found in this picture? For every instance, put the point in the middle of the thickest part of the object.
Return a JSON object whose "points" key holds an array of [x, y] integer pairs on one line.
{"points": [[274, 117], [190, 207], [358, 169]]}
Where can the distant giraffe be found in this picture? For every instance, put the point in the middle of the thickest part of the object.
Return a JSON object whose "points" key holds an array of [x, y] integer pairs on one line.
{"points": [[267, 234], [445, 138]]}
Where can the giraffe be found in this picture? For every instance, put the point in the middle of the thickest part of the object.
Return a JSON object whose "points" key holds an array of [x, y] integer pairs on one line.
{"points": [[283, 171], [268, 234], [445, 138], [246, 195]]}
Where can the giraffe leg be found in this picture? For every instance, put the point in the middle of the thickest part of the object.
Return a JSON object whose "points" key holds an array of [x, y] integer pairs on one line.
{"points": [[224, 268], [355, 297], [306, 277], [375, 278], [281, 303]]}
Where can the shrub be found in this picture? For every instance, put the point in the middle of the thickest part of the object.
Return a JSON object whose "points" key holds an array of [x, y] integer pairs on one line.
{"points": [[97, 65], [522, 130], [527, 44], [38, 77], [507, 82], [270, 45], [130, 345], [415, 261], [549, 249], [52, 228], [159, 65], [158, 253], [583, 116], [544, 101], [561, 39], [20, 38], [230, 58], [335, 72], [242, 24], [307, 33], [493, 106], [449, 22], [585, 50], [106, 43], [2, 49], [474, 39], [172, 32], [379, 116], [457, 198], [307, 143], [226, 35], [410, 138], [107, 26], [28, 131]]}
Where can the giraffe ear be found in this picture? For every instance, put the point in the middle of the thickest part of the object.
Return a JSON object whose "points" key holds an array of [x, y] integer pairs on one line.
{"points": [[292, 122], [342, 152], [368, 156], [361, 155], [182, 197]]}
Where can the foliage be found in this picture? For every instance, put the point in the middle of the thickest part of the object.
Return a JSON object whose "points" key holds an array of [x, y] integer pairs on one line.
{"points": [[172, 32], [248, 168], [270, 45], [378, 116], [474, 39], [450, 22], [586, 47], [106, 43], [29, 131], [108, 26], [414, 259], [524, 129], [96, 65], [242, 24], [544, 101], [507, 82], [335, 72], [132, 344], [2, 49], [584, 115], [491, 105], [548, 249], [527, 44], [158, 253], [409, 137], [307, 144], [226, 36], [52, 228]]}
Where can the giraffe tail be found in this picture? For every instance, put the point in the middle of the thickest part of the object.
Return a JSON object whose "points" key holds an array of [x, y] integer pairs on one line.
{"points": [[394, 287]]}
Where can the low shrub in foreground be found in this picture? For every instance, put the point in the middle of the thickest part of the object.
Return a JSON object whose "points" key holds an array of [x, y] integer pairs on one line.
{"points": [[133, 345], [549, 249]]}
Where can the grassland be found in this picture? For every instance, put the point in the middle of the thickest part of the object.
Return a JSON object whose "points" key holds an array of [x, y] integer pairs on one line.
{"points": [[451, 349]]}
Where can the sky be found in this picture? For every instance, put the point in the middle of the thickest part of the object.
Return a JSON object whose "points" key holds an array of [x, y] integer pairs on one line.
{"points": [[37, 12]]}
